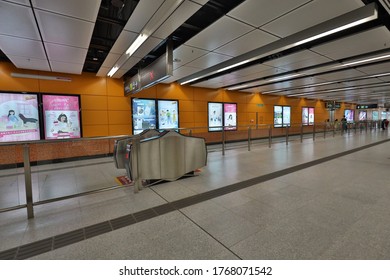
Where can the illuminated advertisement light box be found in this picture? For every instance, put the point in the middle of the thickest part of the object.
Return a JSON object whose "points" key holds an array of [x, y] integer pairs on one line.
{"points": [[61, 116], [230, 116], [349, 115], [19, 117], [305, 115], [144, 114], [311, 116], [215, 116], [168, 114]]}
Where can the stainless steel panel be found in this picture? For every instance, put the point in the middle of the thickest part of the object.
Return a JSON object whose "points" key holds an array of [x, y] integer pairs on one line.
{"points": [[169, 156], [172, 157], [149, 159]]}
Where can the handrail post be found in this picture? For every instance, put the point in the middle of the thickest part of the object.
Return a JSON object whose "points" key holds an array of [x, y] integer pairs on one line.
{"points": [[334, 129], [325, 130], [249, 137], [287, 135], [223, 141], [136, 164], [314, 131], [28, 181], [269, 136]]}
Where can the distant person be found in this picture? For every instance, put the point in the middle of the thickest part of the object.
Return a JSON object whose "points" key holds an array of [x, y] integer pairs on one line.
{"points": [[344, 123]]}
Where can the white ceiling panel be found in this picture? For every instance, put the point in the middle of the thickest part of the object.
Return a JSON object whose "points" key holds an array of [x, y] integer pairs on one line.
{"points": [[210, 84], [125, 39], [147, 46], [103, 71], [64, 67], [119, 73], [85, 9], [65, 53], [161, 15], [141, 15], [250, 41], [309, 15], [185, 54], [208, 60], [368, 41], [375, 69], [260, 12], [29, 63], [202, 2], [129, 63], [223, 80], [362, 82], [64, 30], [111, 59], [181, 14], [181, 72], [252, 70], [222, 32], [385, 78], [18, 21], [341, 75], [269, 72], [22, 47], [22, 2], [298, 60]]}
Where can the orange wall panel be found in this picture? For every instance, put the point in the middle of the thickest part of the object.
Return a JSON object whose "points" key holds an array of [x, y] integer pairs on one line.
{"points": [[119, 117], [115, 87], [8, 83], [186, 106], [187, 117], [95, 130], [92, 102], [119, 129], [94, 117], [119, 103]]}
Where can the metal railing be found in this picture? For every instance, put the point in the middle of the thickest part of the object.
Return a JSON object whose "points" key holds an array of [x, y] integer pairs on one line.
{"points": [[31, 168]]}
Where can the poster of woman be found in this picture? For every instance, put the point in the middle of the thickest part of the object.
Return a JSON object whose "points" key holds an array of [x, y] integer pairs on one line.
{"points": [[230, 116], [61, 116], [19, 119]]}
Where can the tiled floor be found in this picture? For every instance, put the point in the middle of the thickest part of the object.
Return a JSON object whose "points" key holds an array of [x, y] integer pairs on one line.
{"points": [[315, 207]]}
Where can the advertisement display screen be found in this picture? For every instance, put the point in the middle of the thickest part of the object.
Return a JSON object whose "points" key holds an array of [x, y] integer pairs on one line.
{"points": [[375, 115], [215, 116], [230, 116], [311, 116], [349, 115], [168, 114], [362, 115], [278, 116], [61, 115], [286, 115], [144, 114], [282, 116], [19, 117], [305, 116]]}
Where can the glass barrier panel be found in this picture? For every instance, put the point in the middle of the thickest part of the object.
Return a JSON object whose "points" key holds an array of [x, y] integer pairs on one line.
{"points": [[12, 191], [72, 167]]}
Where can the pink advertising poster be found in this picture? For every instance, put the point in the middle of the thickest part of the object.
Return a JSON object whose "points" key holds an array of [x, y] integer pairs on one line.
{"points": [[19, 118], [230, 116], [61, 116]]}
